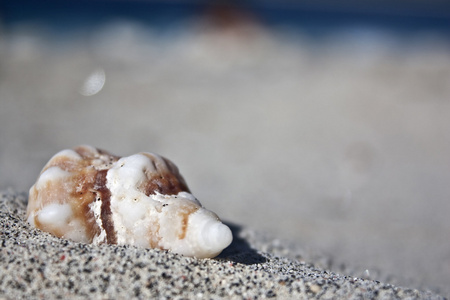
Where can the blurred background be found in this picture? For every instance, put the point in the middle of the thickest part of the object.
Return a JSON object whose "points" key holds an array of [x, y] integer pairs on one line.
{"points": [[324, 123]]}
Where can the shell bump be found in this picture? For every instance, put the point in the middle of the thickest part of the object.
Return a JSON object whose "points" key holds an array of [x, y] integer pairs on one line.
{"points": [[91, 196]]}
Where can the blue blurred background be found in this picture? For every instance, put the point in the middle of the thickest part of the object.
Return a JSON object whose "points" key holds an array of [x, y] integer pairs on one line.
{"points": [[321, 122], [316, 17]]}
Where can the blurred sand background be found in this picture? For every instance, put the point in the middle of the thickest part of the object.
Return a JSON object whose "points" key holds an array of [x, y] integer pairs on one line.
{"points": [[340, 143]]}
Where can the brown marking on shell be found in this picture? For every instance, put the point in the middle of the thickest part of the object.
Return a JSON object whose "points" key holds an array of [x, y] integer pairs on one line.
{"points": [[64, 163], [106, 214], [82, 196], [153, 235], [165, 179], [53, 192], [184, 212], [83, 186], [90, 184], [184, 222], [89, 153]]}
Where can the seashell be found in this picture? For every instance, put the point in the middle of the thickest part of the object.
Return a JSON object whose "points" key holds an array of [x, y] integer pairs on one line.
{"points": [[91, 196]]}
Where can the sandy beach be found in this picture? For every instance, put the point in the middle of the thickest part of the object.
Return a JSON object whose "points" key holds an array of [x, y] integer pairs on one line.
{"points": [[36, 265]]}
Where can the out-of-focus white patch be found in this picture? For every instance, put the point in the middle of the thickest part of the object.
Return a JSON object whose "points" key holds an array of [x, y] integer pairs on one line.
{"points": [[55, 214], [51, 174], [67, 153], [94, 83], [76, 232]]}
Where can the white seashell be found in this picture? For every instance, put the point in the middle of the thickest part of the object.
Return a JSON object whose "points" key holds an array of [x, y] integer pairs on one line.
{"points": [[88, 195]]}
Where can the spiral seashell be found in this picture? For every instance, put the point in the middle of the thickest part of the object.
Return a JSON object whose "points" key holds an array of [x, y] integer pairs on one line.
{"points": [[88, 195]]}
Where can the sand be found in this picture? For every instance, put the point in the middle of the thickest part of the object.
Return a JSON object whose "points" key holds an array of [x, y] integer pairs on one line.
{"points": [[34, 265]]}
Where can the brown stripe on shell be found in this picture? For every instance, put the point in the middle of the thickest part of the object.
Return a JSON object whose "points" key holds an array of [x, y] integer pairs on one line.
{"points": [[184, 223], [153, 234], [184, 212], [104, 195], [164, 179], [86, 152], [92, 179], [87, 183], [91, 185]]}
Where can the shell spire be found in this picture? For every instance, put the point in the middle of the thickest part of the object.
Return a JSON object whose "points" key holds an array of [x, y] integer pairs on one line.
{"points": [[91, 196]]}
